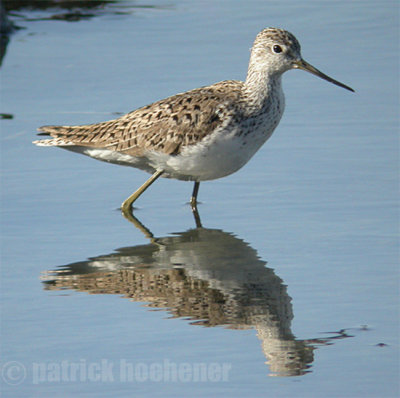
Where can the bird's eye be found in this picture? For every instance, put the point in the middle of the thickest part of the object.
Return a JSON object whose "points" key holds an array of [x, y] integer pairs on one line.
{"points": [[277, 49]]}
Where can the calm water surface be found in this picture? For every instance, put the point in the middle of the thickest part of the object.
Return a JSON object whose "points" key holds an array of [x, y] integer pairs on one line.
{"points": [[295, 271]]}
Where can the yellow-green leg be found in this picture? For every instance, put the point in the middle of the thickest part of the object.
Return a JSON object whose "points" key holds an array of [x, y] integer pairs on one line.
{"points": [[193, 204], [127, 205], [193, 199]]}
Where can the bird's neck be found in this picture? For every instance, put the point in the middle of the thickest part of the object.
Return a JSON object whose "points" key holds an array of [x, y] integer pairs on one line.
{"points": [[261, 89]]}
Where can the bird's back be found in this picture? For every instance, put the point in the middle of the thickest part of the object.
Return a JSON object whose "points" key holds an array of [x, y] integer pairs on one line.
{"points": [[166, 126]]}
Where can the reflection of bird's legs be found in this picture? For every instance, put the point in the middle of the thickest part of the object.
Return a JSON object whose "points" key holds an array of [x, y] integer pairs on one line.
{"points": [[127, 205], [131, 218], [196, 217], [146, 232], [193, 204]]}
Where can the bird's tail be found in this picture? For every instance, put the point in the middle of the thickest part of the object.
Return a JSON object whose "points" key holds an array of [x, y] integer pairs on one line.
{"points": [[59, 134]]}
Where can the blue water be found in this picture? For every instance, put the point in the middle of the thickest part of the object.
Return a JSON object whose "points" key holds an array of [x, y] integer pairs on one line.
{"points": [[295, 273]]}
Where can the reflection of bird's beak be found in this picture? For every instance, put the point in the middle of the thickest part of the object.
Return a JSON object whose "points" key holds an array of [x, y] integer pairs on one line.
{"points": [[301, 64]]}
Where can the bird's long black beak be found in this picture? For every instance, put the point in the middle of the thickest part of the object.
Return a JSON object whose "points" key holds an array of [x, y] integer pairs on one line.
{"points": [[301, 64]]}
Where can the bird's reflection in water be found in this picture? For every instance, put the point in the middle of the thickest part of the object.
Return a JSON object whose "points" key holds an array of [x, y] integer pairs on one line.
{"points": [[208, 276]]}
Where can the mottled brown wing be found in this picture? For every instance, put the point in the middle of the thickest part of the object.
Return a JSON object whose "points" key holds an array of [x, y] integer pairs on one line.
{"points": [[166, 126]]}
